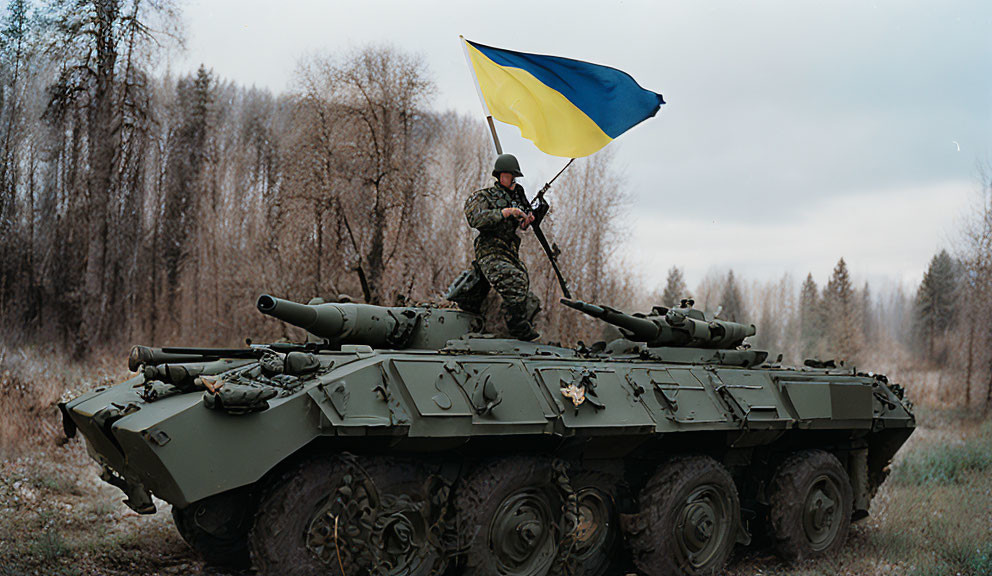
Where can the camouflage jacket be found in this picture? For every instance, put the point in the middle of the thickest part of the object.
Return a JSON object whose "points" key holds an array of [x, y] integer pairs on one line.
{"points": [[497, 235]]}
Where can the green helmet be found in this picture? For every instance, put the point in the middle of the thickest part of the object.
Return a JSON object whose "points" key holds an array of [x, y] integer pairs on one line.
{"points": [[507, 163]]}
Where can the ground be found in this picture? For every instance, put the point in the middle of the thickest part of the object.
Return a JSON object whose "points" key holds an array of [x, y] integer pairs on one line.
{"points": [[933, 516]]}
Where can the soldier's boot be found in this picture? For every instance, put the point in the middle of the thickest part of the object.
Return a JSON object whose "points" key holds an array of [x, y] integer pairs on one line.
{"points": [[520, 318], [524, 331], [469, 289], [532, 305]]}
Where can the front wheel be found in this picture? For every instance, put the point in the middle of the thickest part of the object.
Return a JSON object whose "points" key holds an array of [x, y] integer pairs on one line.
{"points": [[687, 523], [345, 516], [227, 544]]}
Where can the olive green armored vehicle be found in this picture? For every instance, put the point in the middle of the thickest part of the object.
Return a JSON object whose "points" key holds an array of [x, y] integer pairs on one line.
{"points": [[400, 441]]}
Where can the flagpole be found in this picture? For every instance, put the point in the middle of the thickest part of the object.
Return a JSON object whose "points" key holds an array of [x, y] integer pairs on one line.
{"points": [[482, 99], [492, 129]]}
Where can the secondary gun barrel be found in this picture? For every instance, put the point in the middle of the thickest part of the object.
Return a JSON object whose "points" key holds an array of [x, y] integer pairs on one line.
{"points": [[147, 356], [640, 329], [675, 328]]}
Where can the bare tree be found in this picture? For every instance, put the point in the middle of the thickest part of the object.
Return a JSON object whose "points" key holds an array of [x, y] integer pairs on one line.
{"points": [[373, 104], [95, 43], [588, 206]]}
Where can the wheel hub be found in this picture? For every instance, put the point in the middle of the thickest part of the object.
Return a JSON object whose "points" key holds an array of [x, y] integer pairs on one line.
{"points": [[821, 515], [344, 516], [703, 525], [353, 529], [522, 533]]}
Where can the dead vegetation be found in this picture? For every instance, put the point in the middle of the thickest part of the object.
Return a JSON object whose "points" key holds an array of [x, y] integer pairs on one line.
{"points": [[932, 517]]}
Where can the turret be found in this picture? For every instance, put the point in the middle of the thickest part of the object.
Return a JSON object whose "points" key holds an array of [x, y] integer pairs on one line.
{"points": [[377, 326], [677, 327]]}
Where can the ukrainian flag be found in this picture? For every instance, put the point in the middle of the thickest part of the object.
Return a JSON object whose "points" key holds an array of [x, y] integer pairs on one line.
{"points": [[566, 107]]}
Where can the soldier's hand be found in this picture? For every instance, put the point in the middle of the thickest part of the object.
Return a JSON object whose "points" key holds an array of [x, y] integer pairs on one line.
{"points": [[527, 221], [514, 213]]}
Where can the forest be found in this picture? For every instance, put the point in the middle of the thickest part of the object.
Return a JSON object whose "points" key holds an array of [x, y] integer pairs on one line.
{"points": [[138, 206]]}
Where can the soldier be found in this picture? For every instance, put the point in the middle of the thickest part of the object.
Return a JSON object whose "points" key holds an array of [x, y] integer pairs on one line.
{"points": [[496, 212]]}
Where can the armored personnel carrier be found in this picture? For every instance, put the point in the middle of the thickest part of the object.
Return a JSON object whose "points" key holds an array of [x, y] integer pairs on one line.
{"points": [[399, 441]]}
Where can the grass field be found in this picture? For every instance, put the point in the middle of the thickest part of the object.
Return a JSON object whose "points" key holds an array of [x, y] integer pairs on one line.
{"points": [[932, 517]]}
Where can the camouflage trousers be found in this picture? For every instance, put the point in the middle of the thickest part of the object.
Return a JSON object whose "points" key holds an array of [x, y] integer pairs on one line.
{"points": [[509, 277]]}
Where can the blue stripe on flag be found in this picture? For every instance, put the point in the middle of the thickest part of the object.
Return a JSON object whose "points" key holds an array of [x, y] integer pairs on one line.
{"points": [[610, 97]]}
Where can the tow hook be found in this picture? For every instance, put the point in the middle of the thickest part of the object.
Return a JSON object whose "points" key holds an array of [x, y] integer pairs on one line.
{"points": [[139, 498]]}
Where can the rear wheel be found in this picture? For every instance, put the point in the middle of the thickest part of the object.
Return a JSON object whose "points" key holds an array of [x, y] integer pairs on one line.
{"points": [[348, 516], [688, 519], [811, 504]]}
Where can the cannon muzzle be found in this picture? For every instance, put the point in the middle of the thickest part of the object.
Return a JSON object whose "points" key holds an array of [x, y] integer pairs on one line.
{"points": [[321, 320]]}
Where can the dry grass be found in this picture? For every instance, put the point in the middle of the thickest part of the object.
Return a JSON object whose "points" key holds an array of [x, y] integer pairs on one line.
{"points": [[32, 381], [932, 517]]}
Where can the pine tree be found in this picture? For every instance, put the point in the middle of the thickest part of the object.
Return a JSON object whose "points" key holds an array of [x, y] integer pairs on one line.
{"points": [[810, 318], [183, 171], [732, 301], [934, 310], [768, 329], [844, 329], [675, 288], [868, 324]]}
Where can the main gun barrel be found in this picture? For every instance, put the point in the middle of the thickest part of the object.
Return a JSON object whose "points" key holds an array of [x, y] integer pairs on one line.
{"points": [[375, 326], [322, 320]]}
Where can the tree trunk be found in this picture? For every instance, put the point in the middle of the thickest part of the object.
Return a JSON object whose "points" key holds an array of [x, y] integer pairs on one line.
{"points": [[376, 252], [102, 142], [971, 356]]}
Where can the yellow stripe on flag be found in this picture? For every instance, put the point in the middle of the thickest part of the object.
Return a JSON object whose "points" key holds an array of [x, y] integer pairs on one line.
{"points": [[544, 116]]}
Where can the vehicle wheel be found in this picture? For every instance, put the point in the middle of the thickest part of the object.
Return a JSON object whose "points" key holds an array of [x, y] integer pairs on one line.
{"points": [[597, 549], [688, 519], [811, 505], [228, 549], [510, 517], [346, 516]]}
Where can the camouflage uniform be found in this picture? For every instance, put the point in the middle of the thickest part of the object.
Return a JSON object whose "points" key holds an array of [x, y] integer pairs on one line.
{"points": [[497, 258]]}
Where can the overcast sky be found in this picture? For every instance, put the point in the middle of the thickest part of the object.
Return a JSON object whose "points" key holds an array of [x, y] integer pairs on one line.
{"points": [[795, 132]]}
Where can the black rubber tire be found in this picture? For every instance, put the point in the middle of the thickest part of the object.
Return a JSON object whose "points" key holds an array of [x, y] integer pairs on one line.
{"points": [[654, 535], [794, 481], [491, 487], [605, 559], [229, 551], [279, 536]]}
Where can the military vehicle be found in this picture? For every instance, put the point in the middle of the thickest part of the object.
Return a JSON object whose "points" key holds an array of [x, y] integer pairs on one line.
{"points": [[401, 441]]}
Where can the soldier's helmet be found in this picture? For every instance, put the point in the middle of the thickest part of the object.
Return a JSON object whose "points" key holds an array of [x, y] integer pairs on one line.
{"points": [[507, 163]]}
